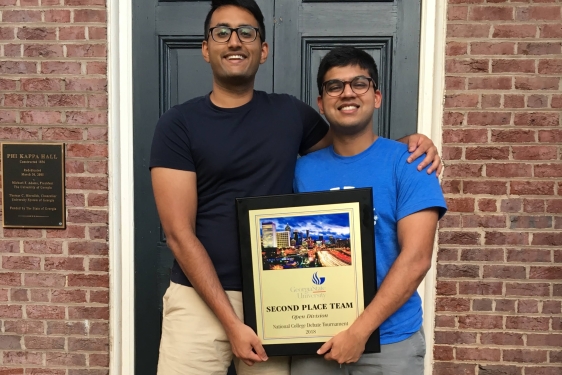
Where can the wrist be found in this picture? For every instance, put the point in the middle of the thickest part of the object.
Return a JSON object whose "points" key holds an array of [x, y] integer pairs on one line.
{"points": [[359, 331]]}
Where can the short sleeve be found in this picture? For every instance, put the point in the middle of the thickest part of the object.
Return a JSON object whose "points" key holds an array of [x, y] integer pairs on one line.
{"points": [[417, 190], [314, 126], [171, 147]]}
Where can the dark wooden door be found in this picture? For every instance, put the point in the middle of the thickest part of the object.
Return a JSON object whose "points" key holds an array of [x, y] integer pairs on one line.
{"points": [[168, 69]]}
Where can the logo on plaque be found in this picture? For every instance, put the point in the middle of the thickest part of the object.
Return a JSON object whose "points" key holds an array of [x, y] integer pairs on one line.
{"points": [[318, 280]]}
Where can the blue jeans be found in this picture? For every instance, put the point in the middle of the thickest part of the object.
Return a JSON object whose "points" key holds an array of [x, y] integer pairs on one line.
{"points": [[401, 358]]}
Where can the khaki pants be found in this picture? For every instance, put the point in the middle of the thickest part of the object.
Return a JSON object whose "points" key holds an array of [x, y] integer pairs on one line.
{"points": [[195, 343]]}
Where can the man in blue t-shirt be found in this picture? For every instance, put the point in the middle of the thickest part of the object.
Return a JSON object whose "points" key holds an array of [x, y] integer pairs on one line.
{"points": [[407, 206]]}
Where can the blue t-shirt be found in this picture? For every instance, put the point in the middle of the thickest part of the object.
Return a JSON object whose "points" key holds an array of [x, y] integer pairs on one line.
{"points": [[399, 190]]}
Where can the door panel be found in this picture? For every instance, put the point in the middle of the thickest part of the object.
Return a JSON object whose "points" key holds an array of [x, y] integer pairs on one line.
{"points": [[305, 31], [168, 69]]}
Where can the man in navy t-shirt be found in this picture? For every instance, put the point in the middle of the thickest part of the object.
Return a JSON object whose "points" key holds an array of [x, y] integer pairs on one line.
{"points": [[234, 142], [407, 205]]}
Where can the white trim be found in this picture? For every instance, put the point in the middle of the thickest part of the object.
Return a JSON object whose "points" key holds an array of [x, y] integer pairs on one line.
{"points": [[430, 114], [121, 218], [121, 189]]}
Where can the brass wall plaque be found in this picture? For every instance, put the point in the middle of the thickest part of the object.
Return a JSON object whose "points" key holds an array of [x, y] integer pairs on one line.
{"points": [[33, 191]]}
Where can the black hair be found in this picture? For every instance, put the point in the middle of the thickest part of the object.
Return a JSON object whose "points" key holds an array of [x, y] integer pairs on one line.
{"points": [[345, 56], [249, 5]]}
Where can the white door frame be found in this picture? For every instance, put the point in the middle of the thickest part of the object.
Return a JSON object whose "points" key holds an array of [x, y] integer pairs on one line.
{"points": [[121, 187]]}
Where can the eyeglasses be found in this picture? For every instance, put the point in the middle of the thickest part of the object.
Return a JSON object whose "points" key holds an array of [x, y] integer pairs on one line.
{"points": [[359, 85], [222, 34]]}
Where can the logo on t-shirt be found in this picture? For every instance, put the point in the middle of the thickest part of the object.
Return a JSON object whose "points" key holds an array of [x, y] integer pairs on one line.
{"points": [[375, 217]]}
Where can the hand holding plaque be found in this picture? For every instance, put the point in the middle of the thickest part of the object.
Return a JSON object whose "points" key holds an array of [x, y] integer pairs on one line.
{"points": [[308, 267]]}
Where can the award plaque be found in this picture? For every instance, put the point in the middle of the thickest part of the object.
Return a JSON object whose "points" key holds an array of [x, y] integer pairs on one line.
{"points": [[308, 267]]}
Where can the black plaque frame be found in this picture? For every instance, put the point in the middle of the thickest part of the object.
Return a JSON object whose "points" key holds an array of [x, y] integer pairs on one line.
{"points": [[46, 165], [245, 205]]}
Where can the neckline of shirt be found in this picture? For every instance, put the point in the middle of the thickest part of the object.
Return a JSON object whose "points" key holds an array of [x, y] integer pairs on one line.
{"points": [[242, 108], [354, 158]]}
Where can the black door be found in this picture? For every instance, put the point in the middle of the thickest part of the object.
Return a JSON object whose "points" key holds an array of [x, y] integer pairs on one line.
{"points": [[168, 69]]}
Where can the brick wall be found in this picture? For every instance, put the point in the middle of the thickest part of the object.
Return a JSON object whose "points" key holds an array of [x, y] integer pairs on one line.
{"points": [[54, 283], [499, 286]]}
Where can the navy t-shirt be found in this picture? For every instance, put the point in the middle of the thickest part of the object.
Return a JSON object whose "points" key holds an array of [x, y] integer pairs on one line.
{"points": [[236, 152]]}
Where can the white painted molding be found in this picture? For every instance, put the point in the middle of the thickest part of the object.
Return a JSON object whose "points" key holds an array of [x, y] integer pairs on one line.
{"points": [[121, 189], [430, 114]]}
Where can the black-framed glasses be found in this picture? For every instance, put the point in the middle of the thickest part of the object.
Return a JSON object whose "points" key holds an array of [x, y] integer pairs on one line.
{"points": [[222, 34], [359, 85]]}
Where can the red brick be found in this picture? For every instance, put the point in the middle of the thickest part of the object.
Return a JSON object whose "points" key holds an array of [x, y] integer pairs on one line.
{"points": [[99, 264], [97, 101], [480, 288], [10, 342], [452, 304], [57, 15], [533, 205], [60, 67], [80, 312], [18, 67], [491, 101], [460, 204], [513, 66], [22, 358], [74, 166], [450, 187], [444, 321], [446, 288], [552, 273], [538, 13], [39, 295], [446, 368], [71, 231], [528, 255], [24, 327], [467, 66], [537, 101], [41, 342], [511, 205], [19, 295], [98, 232], [12, 50], [554, 206], [99, 296], [524, 222], [65, 359], [60, 263], [498, 370], [527, 289], [96, 67], [536, 119], [457, 271], [478, 354], [551, 31], [552, 307], [542, 371], [453, 118], [445, 254], [450, 221], [457, 13], [40, 84], [514, 101], [454, 337], [66, 328], [504, 272], [456, 48], [21, 16], [490, 13], [86, 84], [88, 344], [556, 101], [508, 170], [488, 118], [507, 305], [10, 279], [506, 238], [41, 117], [524, 355], [459, 238], [88, 183], [10, 311], [501, 338], [532, 187], [86, 50], [97, 167], [13, 100], [7, 84], [536, 83], [36, 33], [487, 205], [97, 33], [483, 255], [89, 15], [44, 312], [548, 170], [470, 31], [485, 187], [551, 66], [42, 247], [534, 152], [26, 233], [461, 100], [487, 48], [480, 322], [68, 296], [478, 221], [21, 263], [490, 83], [512, 136], [514, 31], [99, 328], [35, 100], [66, 134], [482, 305], [96, 281], [44, 279], [463, 170], [44, 371], [550, 136], [72, 33]]}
